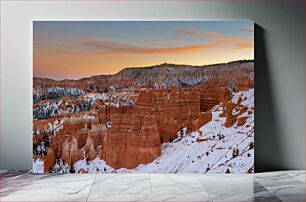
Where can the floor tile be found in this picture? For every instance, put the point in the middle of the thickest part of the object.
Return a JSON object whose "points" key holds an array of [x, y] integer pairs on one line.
{"points": [[14, 181], [282, 183], [231, 184], [287, 189], [3, 171], [291, 197], [298, 175], [12, 173], [150, 198], [220, 178], [50, 184], [245, 198], [287, 186], [43, 198], [176, 184], [276, 176], [114, 184]]}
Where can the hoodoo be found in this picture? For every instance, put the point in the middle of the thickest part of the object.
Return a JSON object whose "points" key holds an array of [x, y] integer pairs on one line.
{"points": [[126, 125]]}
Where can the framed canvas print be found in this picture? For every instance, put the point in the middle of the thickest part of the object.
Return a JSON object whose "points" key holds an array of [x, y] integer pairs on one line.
{"points": [[143, 97]]}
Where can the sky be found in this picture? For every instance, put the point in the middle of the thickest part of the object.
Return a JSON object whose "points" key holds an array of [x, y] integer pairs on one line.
{"points": [[77, 49]]}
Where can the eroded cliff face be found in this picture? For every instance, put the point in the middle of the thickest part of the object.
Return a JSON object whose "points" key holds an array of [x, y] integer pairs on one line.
{"points": [[49, 161], [158, 115], [136, 132], [133, 139], [125, 136], [155, 77]]}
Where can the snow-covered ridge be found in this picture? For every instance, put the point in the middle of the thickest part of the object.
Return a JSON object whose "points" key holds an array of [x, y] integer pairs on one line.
{"points": [[157, 76]]}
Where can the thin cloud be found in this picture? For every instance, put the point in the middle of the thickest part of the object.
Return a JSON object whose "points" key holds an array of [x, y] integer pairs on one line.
{"points": [[87, 46], [70, 52], [95, 46], [196, 33], [183, 49], [218, 38], [214, 38], [108, 46]]}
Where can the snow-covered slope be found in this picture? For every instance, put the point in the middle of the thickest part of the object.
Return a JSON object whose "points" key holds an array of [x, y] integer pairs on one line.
{"points": [[211, 149]]}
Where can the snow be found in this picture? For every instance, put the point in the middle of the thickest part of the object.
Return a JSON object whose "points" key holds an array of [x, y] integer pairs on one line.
{"points": [[95, 166], [61, 167], [56, 127], [84, 117], [116, 99], [214, 154], [38, 166]]}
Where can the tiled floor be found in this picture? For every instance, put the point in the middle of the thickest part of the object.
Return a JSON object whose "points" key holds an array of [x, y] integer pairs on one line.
{"points": [[272, 186]]}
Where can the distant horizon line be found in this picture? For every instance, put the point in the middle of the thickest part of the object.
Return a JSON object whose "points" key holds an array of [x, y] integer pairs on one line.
{"points": [[149, 66]]}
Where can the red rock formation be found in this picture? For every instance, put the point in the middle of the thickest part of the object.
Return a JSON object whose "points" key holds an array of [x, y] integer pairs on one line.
{"points": [[158, 114], [133, 139], [106, 112], [238, 72], [230, 118], [210, 96], [238, 110], [204, 118], [89, 142], [49, 161], [92, 153], [70, 152], [241, 120], [137, 131], [243, 109], [74, 152], [176, 108], [243, 83], [66, 152]]}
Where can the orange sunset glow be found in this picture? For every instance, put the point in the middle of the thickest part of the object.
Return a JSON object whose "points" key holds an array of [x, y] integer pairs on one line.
{"points": [[72, 50]]}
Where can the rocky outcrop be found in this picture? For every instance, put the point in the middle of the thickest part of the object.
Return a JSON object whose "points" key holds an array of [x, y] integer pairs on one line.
{"points": [[92, 154], [233, 111], [167, 100], [133, 139], [241, 120], [71, 152], [239, 73], [176, 109], [211, 95], [137, 131], [230, 118], [158, 115], [106, 112], [49, 161]]}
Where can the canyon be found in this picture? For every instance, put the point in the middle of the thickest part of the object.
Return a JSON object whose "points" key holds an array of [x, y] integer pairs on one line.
{"points": [[126, 119]]}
